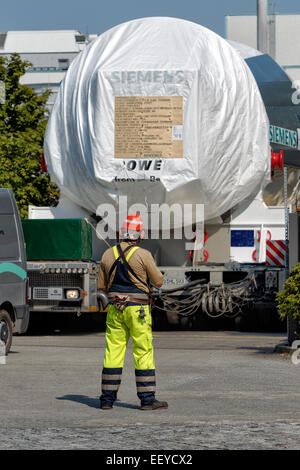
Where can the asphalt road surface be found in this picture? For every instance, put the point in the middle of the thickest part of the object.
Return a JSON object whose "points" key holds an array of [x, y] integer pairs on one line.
{"points": [[226, 390]]}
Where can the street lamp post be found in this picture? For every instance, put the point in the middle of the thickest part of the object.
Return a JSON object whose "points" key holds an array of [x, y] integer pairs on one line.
{"points": [[262, 26]]}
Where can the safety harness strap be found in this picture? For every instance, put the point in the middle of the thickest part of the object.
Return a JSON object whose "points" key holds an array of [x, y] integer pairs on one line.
{"points": [[131, 252], [125, 260], [117, 250], [118, 257]]}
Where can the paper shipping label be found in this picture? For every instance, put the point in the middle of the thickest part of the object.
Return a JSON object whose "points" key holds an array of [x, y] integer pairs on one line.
{"points": [[148, 127]]}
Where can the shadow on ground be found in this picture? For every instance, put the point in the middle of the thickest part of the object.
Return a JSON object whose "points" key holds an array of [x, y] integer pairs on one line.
{"points": [[259, 350], [94, 402]]}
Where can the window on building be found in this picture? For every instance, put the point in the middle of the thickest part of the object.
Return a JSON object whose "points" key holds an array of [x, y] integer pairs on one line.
{"points": [[63, 64], [80, 38]]}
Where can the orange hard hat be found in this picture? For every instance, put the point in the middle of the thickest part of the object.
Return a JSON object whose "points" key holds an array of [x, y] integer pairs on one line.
{"points": [[132, 227]]}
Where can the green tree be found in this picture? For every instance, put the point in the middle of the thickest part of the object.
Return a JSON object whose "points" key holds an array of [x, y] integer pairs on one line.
{"points": [[23, 119], [289, 298]]}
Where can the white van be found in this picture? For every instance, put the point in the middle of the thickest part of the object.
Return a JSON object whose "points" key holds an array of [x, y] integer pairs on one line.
{"points": [[14, 315]]}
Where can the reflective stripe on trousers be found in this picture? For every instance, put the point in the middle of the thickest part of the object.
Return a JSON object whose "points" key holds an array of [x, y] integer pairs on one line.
{"points": [[119, 327]]}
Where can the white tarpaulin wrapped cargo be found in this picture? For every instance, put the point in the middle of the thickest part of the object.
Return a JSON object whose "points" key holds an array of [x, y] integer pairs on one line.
{"points": [[162, 110]]}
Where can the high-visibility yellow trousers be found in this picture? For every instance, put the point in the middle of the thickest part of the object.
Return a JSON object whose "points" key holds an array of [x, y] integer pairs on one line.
{"points": [[120, 326]]}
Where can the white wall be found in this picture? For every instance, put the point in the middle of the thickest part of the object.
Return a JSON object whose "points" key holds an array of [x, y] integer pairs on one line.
{"points": [[241, 29], [287, 44]]}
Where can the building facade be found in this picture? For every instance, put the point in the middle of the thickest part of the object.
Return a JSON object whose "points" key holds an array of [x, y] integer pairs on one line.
{"points": [[49, 52], [283, 38]]}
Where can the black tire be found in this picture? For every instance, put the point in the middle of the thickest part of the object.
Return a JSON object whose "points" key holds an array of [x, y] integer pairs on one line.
{"points": [[6, 329]]}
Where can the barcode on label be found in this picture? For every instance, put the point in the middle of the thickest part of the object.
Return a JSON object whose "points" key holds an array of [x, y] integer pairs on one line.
{"points": [[176, 132]]}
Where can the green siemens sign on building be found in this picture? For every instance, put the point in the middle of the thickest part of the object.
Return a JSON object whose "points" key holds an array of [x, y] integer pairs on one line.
{"points": [[281, 136]]}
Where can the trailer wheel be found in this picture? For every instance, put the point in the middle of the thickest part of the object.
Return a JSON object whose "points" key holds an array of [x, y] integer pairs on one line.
{"points": [[6, 328]]}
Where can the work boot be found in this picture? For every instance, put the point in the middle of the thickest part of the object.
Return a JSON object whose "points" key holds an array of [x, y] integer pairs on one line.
{"points": [[155, 405], [106, 406]]}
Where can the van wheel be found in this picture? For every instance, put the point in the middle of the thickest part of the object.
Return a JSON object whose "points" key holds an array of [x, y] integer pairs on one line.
{"points": [[6, 328]]}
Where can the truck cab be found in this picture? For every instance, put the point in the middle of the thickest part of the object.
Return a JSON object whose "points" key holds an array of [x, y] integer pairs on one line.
{"points": [[14, 316]]}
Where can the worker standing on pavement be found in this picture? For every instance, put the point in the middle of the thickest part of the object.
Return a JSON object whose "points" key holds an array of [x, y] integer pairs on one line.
{"points": [[126, 270]]}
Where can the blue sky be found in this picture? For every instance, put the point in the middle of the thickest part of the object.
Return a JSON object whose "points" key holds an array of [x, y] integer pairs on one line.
{"points": [[96, 16]]}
